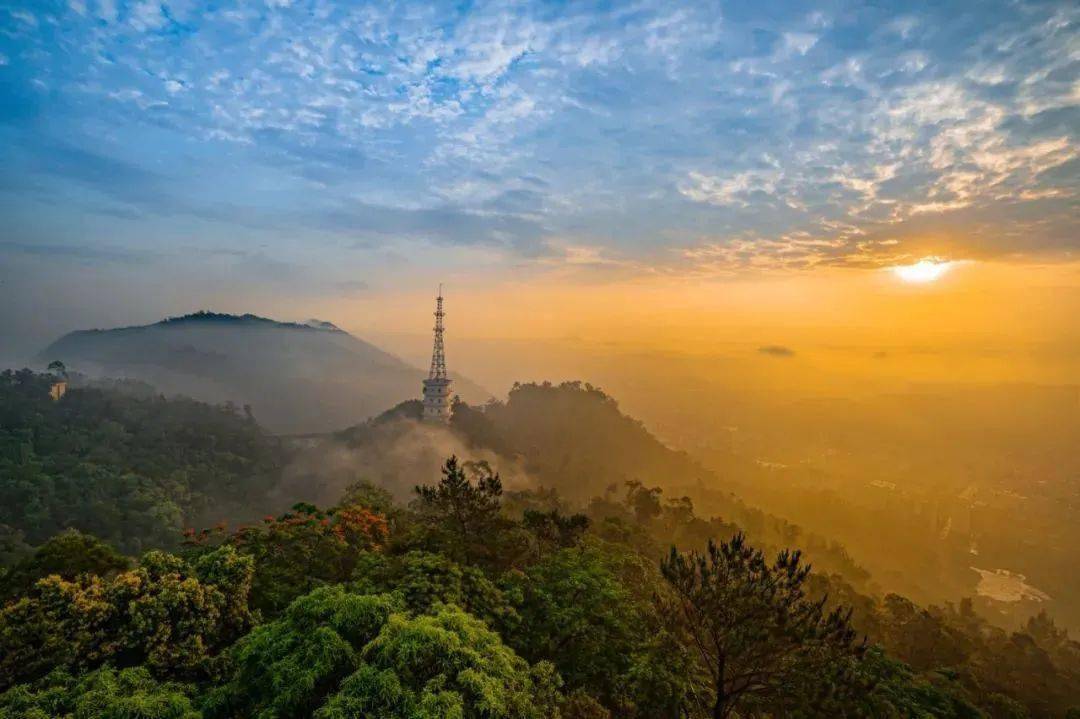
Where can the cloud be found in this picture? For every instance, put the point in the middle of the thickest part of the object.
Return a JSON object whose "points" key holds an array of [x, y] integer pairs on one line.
{"points": [[700, 140], [80, 253], [739, 189], [107, 10], [147, 15], [351, 287], [776, 351], [25, 17]]}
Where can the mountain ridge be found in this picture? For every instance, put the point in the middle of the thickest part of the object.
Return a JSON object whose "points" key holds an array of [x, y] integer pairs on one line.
{"points": [[222, 317], [298, 377]]}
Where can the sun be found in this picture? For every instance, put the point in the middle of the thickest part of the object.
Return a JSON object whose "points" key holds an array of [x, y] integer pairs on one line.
{"points": [[925, 270]]}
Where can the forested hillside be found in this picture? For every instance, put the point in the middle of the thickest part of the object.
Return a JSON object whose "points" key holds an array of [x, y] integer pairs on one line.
{"points": [[133, 469], [474, 602], [573, 438], [602, 591]]}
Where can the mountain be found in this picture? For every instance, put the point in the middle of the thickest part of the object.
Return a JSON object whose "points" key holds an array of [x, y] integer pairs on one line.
{"points": [[297, 377], [470, 567], [126, 465], [571, 438]]}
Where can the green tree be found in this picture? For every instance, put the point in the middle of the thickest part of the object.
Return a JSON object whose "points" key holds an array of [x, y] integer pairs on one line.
{"points": [[553, 530], [130, 470], [67, 555], [426, 580], [589, 611], [462, 517], [896, 691], [335, 653], [444, 665], [106, 693], [575, 612], [300, 550], [757, 641], [173, 616]]}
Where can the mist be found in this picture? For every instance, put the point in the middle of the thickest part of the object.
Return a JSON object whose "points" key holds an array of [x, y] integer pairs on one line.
{"points": [[397, 455]]}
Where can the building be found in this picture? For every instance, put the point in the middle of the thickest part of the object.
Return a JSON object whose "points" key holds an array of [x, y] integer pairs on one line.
{"points": [[437, 385], [58, 390]]}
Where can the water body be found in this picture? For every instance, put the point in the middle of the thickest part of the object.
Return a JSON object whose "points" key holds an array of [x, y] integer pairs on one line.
{"points": [[1006, 586]]}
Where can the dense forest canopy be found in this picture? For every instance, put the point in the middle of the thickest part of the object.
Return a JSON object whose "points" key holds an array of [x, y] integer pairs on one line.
{"points": [[601, 591], [131, 467]]}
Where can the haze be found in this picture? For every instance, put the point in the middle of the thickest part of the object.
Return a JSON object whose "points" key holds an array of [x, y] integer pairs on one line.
{"points": [[721, 214]]}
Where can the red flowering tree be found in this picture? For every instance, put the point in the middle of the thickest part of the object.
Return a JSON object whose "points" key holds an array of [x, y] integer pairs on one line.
{"points": [[302, 549]]}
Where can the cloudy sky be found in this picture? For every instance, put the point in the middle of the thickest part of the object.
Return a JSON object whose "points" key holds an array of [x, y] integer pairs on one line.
{"points": [[236, 151]]}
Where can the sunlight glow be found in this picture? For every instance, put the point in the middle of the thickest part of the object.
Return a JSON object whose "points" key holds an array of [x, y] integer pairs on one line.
{"points": [[927, 269]]}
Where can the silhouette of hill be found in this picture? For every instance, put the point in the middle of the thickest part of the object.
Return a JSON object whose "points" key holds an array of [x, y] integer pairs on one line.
{"points": [[297, 377]]}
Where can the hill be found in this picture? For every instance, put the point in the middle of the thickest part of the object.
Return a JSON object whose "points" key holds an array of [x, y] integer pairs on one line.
{"points": [[297, 378], [572, 439], [562, 566], [134, 470]]}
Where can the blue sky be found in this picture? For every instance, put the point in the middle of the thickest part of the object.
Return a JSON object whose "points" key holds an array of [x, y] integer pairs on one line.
{"points": [[332, 148]]}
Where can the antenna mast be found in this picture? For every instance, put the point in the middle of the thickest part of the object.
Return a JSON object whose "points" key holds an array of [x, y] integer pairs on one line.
{"points": [[437, 387], [438, 352]]}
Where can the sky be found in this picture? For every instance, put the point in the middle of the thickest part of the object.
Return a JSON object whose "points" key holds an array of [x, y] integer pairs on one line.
{"points": [[652, 170]]}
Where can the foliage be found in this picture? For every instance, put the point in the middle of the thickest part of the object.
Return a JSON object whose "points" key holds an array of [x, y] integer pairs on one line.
{"points": [[67, 555], [899, 692], [755, 637], [365, 494], [444, 665], [105, 693], [575, 611], [470, 602], [128, 470], [425, 580], [172, 616], [301, 549], [462, 516], [554, 531], [343, 654], [289, 666], [1034, 671]]}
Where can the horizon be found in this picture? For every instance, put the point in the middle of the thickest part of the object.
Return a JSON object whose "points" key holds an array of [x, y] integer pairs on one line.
{"points": [[568, 171], [540, 358]]}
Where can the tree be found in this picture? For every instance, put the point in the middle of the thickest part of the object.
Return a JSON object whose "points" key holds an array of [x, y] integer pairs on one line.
{"points": [[575, 612], [645, 501], [288, 667], [335, 654], [895, 691], [553, 531], [462, 517], [919, 637], [588, 610], [67, 555], [755, 637], [106, 693], [444, 665], [130, 470], [172, 615], [57, 367], [426, 580], [301, 549]]}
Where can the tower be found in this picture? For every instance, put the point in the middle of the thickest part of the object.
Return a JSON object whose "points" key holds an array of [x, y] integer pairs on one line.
{"points": [[437, 385]]}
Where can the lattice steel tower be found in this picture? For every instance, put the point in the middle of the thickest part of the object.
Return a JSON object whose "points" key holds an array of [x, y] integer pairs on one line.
{"points": [[437, 385]]}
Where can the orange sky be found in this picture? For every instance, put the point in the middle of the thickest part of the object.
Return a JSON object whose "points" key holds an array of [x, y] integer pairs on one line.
{"points": [[980, 321]]}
